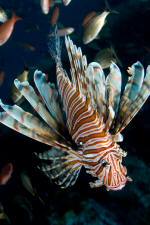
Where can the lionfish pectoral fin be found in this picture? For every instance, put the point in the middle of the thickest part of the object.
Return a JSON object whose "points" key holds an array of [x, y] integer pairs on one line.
{"points": [[9, 121], [64, 166], [49, 95], [28, 92]]}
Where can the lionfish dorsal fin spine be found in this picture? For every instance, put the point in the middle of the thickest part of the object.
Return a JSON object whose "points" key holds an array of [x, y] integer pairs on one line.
{"points": [[78, 107], [130, 104], [113, 83]]}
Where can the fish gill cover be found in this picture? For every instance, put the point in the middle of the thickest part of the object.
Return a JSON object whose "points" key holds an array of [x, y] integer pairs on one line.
{"points": [[80, 119]]}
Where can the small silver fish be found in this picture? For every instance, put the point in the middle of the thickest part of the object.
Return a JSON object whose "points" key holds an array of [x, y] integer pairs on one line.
{"points": [[93, 25], [94, 22], [63, 31]]}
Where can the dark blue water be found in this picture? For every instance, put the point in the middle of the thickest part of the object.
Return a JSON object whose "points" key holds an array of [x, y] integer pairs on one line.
{"points": [[129, 33]]}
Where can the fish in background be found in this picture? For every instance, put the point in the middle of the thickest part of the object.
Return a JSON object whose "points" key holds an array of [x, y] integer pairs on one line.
{"points": [[7, 27], [93, 24], [27, 184], [26, 45], [1, 77], [45, 6], [4, 219], [3, 15], [66, 2], [105, 57], [62, 31], [26, 181], [95, 115], [5, 173], [65, 31], [24, 206], [15, 94], [55, 16]]}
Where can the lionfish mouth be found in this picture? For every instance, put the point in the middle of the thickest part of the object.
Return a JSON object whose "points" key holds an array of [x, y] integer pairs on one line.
{"points": [[116, 188], [120, 185]]}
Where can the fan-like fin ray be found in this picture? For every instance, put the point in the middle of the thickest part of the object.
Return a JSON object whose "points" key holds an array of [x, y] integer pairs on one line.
{"points": [[49, 95], [135, 81], [142, 96], [131, 107], [78, 63], [113, 83], [27, 119], [134, 84], [64, 166], [90, 75], [7, 120], [53, 153], [98, 78], [28, 92]]}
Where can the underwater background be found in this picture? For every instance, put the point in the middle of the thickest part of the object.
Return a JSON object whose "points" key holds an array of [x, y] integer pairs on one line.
{"points": [[29, 197]]}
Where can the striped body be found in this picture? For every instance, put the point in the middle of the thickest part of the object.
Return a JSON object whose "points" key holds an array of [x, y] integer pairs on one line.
{"points": [[99, 153]]}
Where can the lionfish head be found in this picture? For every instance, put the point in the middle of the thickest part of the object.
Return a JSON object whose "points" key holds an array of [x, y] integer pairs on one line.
{"points": [[113, 174]]}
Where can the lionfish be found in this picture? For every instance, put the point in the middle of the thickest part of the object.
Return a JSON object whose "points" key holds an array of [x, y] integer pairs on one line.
{"points": [[84, 132]]}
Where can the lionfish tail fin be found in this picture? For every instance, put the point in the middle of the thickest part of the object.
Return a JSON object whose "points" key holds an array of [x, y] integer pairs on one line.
{"points": [[64, 166], [54, 46]]}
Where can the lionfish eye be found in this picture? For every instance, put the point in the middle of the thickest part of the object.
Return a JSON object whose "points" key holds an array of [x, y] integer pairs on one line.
{"points": [[79, 144], [104, 163]]}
